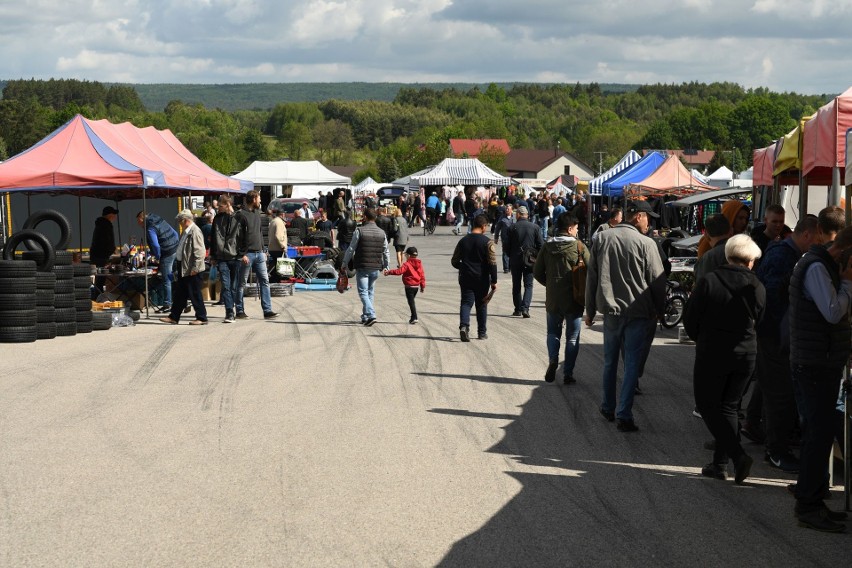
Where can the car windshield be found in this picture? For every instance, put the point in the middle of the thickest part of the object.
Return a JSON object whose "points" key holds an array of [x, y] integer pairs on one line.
{"points": [[290, 207]]}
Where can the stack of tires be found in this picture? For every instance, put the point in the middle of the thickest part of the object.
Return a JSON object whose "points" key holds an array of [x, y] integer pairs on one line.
{"points": [[83, 296], [46, 313], [17, 302], [64, 300]]}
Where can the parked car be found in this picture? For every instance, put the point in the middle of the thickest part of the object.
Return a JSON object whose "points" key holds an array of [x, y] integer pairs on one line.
{"points": [[289, 206]]}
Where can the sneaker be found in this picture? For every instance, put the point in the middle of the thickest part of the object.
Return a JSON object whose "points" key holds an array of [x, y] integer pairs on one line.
{"points": [[228, 319], [715, 471], [242, 316], [550, 374], [370, 322], [608, 414], [506, 271], [482, 336], [788, 463], [464, 333], [820, 521], [525, 314], [164, 309], [742, 468], [187, 309], [696, 413], [627, 426], [516, 313], [412, 321], [569, 379], [753, 432], [270, 315]]}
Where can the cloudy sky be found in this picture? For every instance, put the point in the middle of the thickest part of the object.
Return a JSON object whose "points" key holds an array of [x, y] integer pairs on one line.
{"points": [[785, 45]]}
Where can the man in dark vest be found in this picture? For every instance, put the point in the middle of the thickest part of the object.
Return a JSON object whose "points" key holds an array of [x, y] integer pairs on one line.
{"points": [[820, 335], [369, 249], [345, 230], [162, 241], [523, 236]]}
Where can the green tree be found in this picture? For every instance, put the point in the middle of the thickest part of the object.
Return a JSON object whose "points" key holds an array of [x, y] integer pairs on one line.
{"points": [[4, 153], [296, 138], [333, 140], [255, 146]]}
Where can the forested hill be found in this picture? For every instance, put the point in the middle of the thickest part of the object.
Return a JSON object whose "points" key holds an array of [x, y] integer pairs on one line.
{"points": [[264, 96]]}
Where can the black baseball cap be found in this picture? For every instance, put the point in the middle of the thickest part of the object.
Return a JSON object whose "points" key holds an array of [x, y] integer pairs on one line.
{"points": [[411, 251], [109, 210], [640, 207]]}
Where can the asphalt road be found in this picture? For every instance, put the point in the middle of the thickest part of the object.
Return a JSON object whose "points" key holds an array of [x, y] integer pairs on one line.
{"points": [[314, 441]]}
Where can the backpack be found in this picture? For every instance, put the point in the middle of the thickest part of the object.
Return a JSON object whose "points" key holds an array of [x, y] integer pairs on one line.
{"points": [[578, 277]]}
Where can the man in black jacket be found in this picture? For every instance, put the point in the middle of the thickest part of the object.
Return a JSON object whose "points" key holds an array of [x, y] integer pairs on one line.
{"points": [[250, 252], [227, 232], [369, 249], [476, 262], [103, 241], [524, 240], [299, 226], [345, 229]]}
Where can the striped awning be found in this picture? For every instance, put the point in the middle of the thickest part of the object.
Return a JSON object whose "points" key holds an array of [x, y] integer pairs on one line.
{"points": [[596, 185], [461, 171]]}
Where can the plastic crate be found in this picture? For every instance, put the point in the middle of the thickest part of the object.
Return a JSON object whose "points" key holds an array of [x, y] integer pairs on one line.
{"points": [[309, 251], [292, 252]]}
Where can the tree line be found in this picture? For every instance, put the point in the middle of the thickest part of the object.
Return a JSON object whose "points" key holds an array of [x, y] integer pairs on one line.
{"points": [[391, 138]]}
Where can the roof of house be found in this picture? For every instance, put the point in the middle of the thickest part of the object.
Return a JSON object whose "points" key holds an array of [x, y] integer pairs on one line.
{"points": [[691, 157], [472, 147], [345, 171], [536, 160]]}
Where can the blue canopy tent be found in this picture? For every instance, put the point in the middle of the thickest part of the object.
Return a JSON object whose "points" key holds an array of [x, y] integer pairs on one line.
{"points": [[630, 158], [635, 173]]}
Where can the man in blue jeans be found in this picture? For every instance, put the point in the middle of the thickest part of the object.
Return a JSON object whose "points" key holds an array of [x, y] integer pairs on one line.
{"points": [[369, 249], [227, 232], [250, 250], [162, 241], [627, 284]]}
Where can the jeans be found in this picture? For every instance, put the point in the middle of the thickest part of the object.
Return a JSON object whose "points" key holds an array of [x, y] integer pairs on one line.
{"points": [[365, 280], [167, 264], [505, 261], [718, 383], [188, 289], [817, 388], [256, 264], [572, 339], [459, 221], [618, 331], [471, 297], [229, 275], [544, 225], [523, 274]]}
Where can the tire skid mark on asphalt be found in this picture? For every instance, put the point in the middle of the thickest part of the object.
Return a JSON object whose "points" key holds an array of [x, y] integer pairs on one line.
{"points": [[232, 382], [152, 363]]}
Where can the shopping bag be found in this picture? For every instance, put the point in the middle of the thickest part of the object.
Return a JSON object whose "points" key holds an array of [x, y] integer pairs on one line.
{"points": [[342, 282]]}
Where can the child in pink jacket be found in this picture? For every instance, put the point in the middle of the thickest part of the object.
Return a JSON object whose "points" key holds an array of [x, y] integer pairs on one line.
{"points": [[413, 278]]}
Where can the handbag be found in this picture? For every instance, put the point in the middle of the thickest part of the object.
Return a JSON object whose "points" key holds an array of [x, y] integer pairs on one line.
{"points": [[342, 282], [578, 277]]}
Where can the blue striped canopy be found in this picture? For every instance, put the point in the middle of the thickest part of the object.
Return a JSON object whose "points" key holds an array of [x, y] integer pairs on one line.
{"points": [[596, 185], [634, 173]]}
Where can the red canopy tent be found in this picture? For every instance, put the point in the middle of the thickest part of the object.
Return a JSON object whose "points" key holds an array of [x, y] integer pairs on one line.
{"points": [[763, 160], [824, 140], [112, 161]]}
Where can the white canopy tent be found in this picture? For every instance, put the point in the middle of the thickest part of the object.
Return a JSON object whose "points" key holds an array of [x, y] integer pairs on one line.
{"points": [[462, 171], [306, 178]]}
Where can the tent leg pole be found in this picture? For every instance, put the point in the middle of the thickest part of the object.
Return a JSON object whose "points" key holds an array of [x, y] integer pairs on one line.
{"points": [[144, 247], [80, 222], [118, 221]]}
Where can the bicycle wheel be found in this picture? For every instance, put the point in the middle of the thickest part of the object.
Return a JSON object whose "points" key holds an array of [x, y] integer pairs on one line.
{"points": [[673, 311]]}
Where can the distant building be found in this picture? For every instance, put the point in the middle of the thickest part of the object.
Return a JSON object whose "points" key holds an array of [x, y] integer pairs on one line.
{"points": [[470, 148], [545, 165], [697, 159]]}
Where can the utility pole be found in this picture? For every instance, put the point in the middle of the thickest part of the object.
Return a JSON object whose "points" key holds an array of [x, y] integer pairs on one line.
{"points": [[600, 156]]}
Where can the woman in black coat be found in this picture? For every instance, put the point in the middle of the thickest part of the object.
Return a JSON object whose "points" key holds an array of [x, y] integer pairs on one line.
{"points": [[720, 316]]}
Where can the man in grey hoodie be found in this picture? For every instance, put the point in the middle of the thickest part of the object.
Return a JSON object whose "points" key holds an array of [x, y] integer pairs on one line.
{"points": [[627, 284]]}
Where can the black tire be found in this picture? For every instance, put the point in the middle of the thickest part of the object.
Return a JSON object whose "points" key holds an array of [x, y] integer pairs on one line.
{"points": [[83, 316], [83, 294], [46, 330], [84, 327], [65, 329], [17, 285], [135, 315], [64, 287], [16, 318], [101, 320], [18, 334], [17, 302], [84, 305], [61, 221], [45, 280], [82, 282], [45, 297], [63, 272], [34, 236], [673, 311], [63, 300], [82, 269], [65, 315], [61, 257], [17, 269], [45, 314]]}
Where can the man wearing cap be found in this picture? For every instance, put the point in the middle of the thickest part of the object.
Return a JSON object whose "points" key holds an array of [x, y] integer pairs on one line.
{"points": [[189, 266], [103, 241], [627, 284], [524, 239]]}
